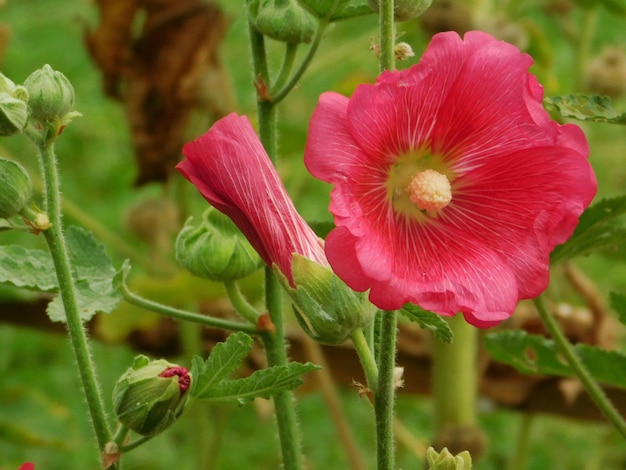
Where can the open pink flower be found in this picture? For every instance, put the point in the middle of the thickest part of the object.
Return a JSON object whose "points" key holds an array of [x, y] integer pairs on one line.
{"points": [[452, 184], [231, 169]]}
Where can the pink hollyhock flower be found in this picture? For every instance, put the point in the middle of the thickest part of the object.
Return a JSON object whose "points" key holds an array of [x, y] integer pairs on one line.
{"points": [[27, 466], [452, 184], [231, 169]]}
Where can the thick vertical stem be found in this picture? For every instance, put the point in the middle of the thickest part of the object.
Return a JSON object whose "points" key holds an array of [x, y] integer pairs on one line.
{"points": [[384, 398], [387, 36], [76, 331]]}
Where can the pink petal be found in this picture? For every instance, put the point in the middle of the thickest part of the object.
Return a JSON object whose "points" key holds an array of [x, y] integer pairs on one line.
{"points": [[231, 169]]}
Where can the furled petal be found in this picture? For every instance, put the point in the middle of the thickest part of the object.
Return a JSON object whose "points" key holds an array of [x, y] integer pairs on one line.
{"points": [[519, 180], [231, 169]]}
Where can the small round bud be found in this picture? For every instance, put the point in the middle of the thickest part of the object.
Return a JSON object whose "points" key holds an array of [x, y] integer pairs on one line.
{"points": [[215, 249], [51, 95], [15, 188], [283, 20], [325, 307], [404, 10], [151, 395]]}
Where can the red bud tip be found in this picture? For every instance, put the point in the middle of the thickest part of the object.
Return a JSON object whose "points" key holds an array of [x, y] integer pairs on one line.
{"points": [[184, 379]]}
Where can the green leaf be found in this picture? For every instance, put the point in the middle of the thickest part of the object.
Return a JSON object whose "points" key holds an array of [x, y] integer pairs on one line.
{"points": [[618, 303], [597, 229], [225, 358], [533, 354], [584, 107], [429, 321], [263, 383], [29, 268], [93, 275], [529, 354]]}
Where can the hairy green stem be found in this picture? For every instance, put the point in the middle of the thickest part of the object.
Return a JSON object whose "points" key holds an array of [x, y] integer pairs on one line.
{"points": [[276, 352], [184, 315], [384, 395], [78, 336], [593, 388], [274, 340], [239, 303]]}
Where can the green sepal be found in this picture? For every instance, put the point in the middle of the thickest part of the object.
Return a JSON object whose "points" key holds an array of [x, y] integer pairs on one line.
{"points": [[325, 307]]}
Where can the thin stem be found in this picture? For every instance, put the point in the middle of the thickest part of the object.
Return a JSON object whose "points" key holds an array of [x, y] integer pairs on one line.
{"points": [[315, 353], [290, 57], [239, 303], [283, 90], [384, 395], [593, 389], [184, 315], [454, 375], [133, 445], [78, 337], [366, 357]]}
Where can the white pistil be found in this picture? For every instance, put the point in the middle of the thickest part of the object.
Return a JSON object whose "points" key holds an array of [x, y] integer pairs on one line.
{"points": [[429, 190]]}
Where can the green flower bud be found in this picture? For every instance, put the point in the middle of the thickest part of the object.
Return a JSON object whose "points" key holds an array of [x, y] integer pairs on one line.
{"points": [[13, 114], [283, 20], [13, 107], [326, 308], [15, 188], [215, 249], [151, 395], [404, 9], [51, 95], [444, 460]]}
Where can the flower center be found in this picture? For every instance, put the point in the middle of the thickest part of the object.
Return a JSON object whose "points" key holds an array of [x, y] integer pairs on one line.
{"points": [[419, 184], [429, 190]]}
